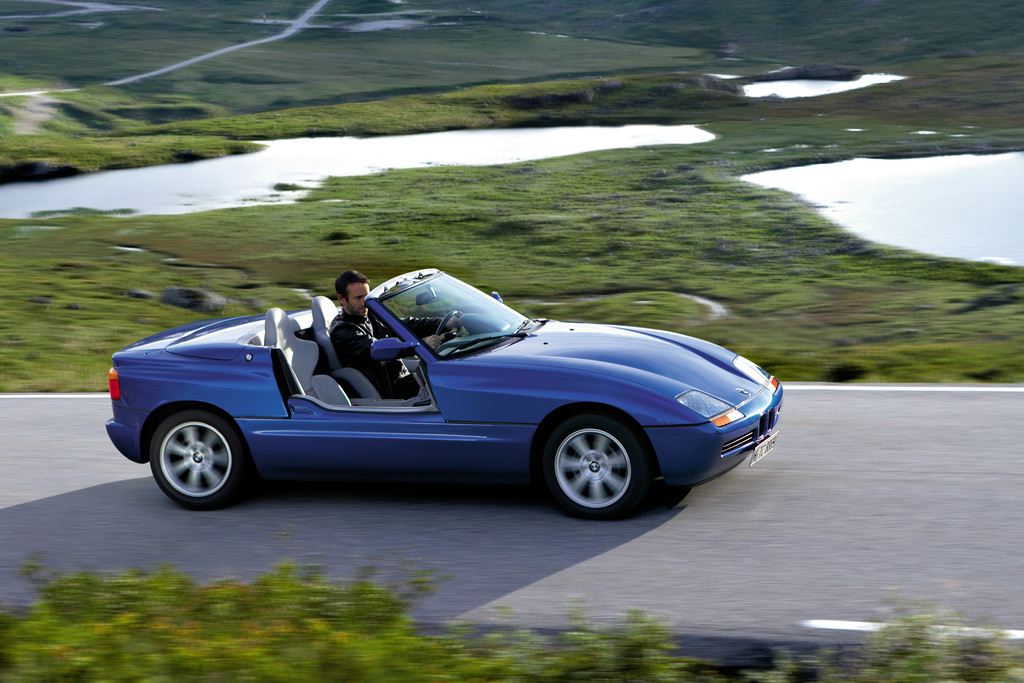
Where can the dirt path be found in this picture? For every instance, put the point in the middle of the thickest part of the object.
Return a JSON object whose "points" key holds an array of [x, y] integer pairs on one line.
{"points": [[83, 8], [86, 7], [40, 107], [30, 118], [295, 27]]}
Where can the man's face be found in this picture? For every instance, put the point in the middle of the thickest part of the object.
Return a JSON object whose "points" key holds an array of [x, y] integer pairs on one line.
{"points": [[355, 302]]}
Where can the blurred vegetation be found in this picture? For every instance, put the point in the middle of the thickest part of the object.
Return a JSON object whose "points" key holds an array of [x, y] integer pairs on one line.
{"points": [[295, 624], [927, 645]]}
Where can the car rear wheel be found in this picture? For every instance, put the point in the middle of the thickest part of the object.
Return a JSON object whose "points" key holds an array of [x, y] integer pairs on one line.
{"points": [[198, 459], [596, 467]]}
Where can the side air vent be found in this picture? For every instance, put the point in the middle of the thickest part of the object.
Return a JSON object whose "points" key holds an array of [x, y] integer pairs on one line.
{"points": [[745, 440]]}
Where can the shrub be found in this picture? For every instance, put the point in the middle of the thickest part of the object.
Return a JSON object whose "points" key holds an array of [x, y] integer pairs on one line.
{"points": [[294, 624], [926, 647], [287, 625]]}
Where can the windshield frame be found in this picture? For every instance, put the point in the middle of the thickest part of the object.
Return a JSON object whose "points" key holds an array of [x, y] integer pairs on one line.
{"points": [[400, 283], [486, 321]]}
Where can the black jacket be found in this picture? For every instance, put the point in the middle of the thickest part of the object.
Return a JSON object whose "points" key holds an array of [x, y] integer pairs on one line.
{"points": [[353, 336]]}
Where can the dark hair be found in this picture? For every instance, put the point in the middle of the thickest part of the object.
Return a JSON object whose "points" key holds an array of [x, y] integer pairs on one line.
{"points": [[347, 278]]}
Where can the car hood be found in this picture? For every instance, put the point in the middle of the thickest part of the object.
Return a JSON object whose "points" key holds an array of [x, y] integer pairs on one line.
{"points": [[660, 360]]}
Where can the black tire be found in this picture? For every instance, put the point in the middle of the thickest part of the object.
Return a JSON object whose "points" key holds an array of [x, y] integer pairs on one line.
{"points": [[596, 467], [198, 459]]}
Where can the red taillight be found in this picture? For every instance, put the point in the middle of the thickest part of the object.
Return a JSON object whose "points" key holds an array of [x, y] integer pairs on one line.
{"points": [[115, 385]]}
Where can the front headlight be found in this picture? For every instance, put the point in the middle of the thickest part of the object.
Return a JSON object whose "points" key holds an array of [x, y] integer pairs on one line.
{"points": [[714, 410], [751, 370]]}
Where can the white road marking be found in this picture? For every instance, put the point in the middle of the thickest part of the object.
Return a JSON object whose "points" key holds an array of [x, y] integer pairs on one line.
{"points": [[871, 626], [788, 386], [88, 395], [910, 388]]}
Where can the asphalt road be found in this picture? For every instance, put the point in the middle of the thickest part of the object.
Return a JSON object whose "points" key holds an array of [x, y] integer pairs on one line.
{"points": [[874, 497]]}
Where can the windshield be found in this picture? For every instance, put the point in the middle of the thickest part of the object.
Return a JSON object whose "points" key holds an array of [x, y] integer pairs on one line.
{"points": [[483, 321]]}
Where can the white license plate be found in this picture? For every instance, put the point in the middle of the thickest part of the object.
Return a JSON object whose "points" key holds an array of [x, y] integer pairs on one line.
{"points": [[764, 448]]}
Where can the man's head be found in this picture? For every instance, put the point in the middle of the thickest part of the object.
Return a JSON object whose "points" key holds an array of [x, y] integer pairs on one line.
{"points": [[352, 288]]}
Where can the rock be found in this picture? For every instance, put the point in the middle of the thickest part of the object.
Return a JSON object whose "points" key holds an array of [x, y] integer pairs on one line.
{"points": [[814, 72], [704, 83], [709, 83], [139, 294], [185, 155], [611, 86], [670, 89], [198, 300], [551, 99], [1004, 295], [35, 170]]}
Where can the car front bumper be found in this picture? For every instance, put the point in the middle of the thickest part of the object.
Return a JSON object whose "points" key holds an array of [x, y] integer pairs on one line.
{"points": [[695, 454]]}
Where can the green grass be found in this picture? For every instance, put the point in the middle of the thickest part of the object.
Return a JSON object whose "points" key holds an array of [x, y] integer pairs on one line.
{"points": [[806, 299], [93, 154], [975, 105], [512, 41], [128, 43], [318, 66], [339, 67], [845, 31]]}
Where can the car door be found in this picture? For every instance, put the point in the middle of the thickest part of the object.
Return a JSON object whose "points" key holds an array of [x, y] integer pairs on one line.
{"points": [[393, 443]]}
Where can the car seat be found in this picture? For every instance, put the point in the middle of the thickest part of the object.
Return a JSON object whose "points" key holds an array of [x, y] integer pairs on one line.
{"points": [[301, 357], [324, 311]]}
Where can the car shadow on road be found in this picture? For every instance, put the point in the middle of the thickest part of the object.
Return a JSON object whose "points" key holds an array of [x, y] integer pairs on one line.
{"points": [[478, 543]]}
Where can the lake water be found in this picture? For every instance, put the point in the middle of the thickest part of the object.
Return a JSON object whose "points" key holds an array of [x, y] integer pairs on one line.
{"points": [[248, 179], [815, 88], [960, 206], [966, 206]]}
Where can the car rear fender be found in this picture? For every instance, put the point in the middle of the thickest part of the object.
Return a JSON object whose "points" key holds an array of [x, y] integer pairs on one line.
{"points": [[154, 419], [155, 384], [245, 386]]}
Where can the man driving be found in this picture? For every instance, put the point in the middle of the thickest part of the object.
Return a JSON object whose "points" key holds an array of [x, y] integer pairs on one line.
{"points": [[353, 332]]}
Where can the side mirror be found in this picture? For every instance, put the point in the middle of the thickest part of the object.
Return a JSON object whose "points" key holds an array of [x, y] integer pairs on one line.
{"points": [[390, 348], [495, 295]]}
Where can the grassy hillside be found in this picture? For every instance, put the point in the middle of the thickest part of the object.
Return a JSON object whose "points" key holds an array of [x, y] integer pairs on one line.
{"points": [[638, 229], [443, 46], [852, 31], [621, 236], [975, 103]]}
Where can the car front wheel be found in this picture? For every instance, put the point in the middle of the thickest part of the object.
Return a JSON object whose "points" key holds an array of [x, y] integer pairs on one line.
{"points": [[198, 459], [596, 467]]}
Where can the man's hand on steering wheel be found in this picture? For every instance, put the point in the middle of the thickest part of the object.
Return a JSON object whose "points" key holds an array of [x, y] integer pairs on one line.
{"points": [[449, 326]]}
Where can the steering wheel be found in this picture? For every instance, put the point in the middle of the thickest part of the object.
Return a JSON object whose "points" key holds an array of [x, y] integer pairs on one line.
{"points": [[442, 328]]}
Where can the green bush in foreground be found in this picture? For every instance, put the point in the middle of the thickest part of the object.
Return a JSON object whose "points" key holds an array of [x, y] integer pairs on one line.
{"points": [[914, 649], [295, 624]]}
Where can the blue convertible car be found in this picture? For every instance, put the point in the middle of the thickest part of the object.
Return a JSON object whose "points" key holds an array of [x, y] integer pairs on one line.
{"points": [[596, 412]]}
